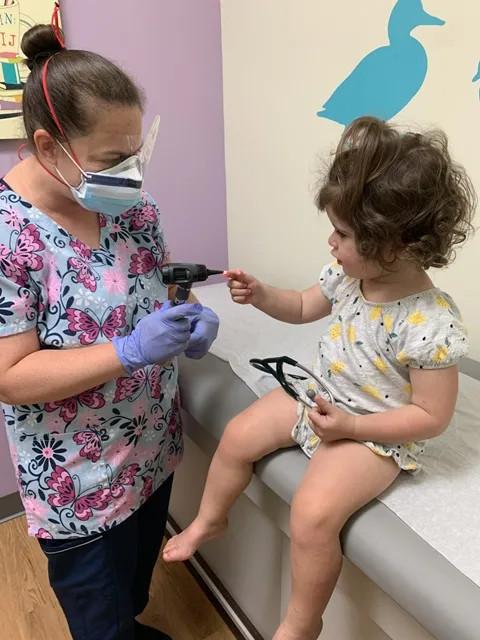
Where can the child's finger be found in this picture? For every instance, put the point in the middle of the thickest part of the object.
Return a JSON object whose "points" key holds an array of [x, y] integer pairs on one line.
{"points": [[239, 275], [236, 284], [241, 293], [233, 273], [324, 406], [316, 422]]}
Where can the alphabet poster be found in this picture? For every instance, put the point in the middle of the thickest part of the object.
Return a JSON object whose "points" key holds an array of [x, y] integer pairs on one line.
{"points": [[16, 17]]}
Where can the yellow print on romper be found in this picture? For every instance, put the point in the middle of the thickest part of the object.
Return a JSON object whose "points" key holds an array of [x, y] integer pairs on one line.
{"points": [[416, 318], [335, 331], [440, 300], [440, 354]]}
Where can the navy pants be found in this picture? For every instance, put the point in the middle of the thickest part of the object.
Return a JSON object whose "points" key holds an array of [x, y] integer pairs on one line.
{"points": [[102, 581]]}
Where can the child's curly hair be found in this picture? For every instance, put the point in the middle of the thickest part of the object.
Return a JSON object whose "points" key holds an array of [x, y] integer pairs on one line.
{"points": [[401, 193]]}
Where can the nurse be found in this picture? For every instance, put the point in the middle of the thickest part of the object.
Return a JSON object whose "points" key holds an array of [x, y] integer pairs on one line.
{"points": [[88, 339]]}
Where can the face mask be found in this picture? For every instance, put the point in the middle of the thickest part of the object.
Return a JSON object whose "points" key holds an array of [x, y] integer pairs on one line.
{"points": [[112, 191]]}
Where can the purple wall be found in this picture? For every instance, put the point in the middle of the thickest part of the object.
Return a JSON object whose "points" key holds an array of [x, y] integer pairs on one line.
{"points": [[172, 48]]}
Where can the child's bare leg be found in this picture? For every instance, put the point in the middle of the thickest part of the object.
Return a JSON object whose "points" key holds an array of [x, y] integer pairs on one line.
{"points": [[262, 428], [342, 477]]}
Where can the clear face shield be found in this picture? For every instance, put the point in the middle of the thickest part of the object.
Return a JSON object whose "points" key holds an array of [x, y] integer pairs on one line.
{"points": [[149, 143], [118, 188]]}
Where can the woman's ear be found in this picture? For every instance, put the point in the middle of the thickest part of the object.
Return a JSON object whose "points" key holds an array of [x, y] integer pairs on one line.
{"points": [[46, 147]]}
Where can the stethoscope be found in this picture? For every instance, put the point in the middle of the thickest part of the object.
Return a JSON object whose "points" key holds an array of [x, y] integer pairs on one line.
{"points": [[274, 367]]}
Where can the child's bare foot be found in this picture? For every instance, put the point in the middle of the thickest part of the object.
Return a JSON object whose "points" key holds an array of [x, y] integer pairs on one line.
{"points": [[183, 546]]}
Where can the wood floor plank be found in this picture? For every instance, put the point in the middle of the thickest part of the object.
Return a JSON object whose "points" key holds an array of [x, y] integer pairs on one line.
{"points": [[29, 609]]}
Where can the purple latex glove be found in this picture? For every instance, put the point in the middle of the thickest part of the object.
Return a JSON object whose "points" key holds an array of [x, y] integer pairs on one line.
{"points": [[204, 331], [157, 337]]}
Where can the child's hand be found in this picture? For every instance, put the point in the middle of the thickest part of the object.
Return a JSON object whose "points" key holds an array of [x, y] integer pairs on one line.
{"points": [[331, 423], [244, 288]]}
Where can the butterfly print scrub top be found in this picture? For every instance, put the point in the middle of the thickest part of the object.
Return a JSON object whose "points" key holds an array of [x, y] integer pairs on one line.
{"points": [[86, 463]]}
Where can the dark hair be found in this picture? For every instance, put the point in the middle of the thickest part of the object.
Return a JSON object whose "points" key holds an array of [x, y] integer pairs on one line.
{"points": [[401, 193], [78, 82]]}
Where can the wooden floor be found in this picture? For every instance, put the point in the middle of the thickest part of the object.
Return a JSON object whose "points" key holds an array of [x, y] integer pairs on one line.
{"points": [[29, 610]]}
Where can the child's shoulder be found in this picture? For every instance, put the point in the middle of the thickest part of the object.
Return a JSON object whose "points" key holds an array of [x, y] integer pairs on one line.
{"points": [[333, 280], [429, 331], [432, 305]]}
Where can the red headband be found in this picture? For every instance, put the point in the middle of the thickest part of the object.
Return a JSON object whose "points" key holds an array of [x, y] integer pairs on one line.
{"points": [[59, 35], [55, 22]]}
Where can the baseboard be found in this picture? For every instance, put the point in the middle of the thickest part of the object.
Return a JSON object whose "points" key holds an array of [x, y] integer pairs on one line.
{"points": [[218, 594], [10, 506]]}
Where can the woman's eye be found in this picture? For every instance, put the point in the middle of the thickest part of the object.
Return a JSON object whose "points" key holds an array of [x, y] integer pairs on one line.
{"points": [[108, 164]]}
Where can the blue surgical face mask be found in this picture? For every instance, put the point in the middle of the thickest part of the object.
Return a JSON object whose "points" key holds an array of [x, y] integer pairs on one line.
{"points": [[112, 191]]}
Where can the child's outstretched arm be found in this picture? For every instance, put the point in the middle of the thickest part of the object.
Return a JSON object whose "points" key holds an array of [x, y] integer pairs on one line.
{"points": [[295, 307], [434, 394]]}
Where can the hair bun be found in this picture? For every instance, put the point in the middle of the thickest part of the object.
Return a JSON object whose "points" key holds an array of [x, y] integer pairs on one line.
{"points": [[38, 43]]}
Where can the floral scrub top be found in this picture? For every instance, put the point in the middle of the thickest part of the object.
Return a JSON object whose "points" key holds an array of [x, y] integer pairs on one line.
{"points": [[365, 356], [85, 463]]}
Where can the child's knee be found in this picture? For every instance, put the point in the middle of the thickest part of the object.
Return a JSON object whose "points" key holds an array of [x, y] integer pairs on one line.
{"points": [[235, 440], [315, 519]]}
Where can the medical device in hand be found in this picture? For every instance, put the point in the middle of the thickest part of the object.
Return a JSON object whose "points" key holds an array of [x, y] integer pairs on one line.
{"points": [[299, 382], [184, 275]]}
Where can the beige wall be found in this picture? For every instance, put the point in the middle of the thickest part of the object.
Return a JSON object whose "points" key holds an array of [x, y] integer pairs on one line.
{"points": [[282, 60]]}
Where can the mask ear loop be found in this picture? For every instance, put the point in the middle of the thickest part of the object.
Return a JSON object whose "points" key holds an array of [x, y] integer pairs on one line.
{"points": [[72, 158], [63, 180]]}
